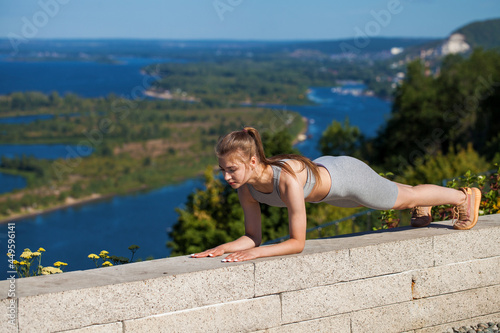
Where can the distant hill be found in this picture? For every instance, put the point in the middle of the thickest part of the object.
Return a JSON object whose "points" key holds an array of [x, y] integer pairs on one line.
{"points": [[366, 45], [192, 48], [484, 34]]}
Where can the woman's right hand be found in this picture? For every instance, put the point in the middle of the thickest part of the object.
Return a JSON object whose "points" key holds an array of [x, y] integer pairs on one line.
{"points": [[215, 252]]}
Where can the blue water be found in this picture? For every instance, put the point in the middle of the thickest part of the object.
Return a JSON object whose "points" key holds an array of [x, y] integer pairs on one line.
{"points": [[25, 119], [45, 151], [72, 233], [368, 113], [8, 183], [17, 120], [86, 79], [113, 224]]}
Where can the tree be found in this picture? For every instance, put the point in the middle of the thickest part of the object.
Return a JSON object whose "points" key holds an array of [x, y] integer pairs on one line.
{"points": [[436, 114], [341, 139], [211, 217]]}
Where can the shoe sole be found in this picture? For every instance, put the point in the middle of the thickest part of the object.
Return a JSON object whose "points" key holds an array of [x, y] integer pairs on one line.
{"points": [[477, 202], [415, 224]]}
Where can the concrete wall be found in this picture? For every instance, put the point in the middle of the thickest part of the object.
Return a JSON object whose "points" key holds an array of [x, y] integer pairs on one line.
{"points": [[402, 280]]}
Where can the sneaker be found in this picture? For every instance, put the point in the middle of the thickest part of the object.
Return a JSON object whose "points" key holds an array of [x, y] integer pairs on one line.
{"points": [[467, 212], [421, 216]]}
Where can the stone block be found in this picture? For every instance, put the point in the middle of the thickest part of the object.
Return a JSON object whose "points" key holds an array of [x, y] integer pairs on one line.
{"points": [[456, 277], [238, 316], [466, 245], [76, 308], [388, 258], [345, 297], [335, 324], [9, 316], [427, 312], [106, 328], [299, 272]]}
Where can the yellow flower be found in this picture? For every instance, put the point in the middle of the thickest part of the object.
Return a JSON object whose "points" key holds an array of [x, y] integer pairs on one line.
{"points": [[106, 263], [26, 254], [36, 254], [15, 262], [41, 249], [50, 270], [104, 254], [60, 263], [22, 263], [93, 256]]}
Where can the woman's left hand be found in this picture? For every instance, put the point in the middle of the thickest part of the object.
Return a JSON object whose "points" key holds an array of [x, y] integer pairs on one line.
{"points": [[242, 255]]}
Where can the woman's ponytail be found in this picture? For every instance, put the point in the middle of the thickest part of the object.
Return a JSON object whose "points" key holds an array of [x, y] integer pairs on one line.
{"points": [[259, 148]]}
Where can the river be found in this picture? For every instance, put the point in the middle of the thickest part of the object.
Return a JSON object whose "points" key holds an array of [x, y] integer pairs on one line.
{"points": [[144, 218]]}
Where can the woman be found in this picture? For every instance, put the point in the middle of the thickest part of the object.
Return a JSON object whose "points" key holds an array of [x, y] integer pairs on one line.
{"points": [[291, 180]]}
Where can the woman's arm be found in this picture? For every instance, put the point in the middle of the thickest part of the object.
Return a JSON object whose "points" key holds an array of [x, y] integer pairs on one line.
{"points": [[293, 196], [253, 233]]}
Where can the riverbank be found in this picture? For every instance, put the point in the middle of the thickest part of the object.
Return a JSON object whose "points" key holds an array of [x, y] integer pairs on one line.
{"points": [[302, 136], [166, 94], [69, 202]]}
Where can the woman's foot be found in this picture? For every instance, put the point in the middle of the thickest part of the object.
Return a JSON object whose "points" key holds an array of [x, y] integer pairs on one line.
{"points": [[421, 216], [467, 212]]}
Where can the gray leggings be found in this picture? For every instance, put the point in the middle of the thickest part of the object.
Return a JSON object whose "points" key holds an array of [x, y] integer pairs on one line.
{"points": [[354, 184]]}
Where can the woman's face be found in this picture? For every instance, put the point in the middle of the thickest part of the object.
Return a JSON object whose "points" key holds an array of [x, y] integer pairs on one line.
{"points": [[236, 173]]}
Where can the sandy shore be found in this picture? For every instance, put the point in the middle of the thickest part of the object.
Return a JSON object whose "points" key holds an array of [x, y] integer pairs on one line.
{"points": [[302, 135], [168, 95], [68, 203]]}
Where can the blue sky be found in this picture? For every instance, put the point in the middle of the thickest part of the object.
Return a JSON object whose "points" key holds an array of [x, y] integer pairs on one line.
{"points": [[239, 19]]}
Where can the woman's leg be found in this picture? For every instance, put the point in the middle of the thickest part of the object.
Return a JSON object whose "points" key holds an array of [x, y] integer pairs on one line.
{"points": [[466, 201], [427, 195]]}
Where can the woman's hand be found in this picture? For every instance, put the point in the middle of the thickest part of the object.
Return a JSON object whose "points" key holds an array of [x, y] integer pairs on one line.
{"points": [[215, 252], [243, 255]]}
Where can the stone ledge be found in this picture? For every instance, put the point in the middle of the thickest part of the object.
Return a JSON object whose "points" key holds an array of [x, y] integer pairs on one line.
{"points": [[385, 245], [367, 277]]}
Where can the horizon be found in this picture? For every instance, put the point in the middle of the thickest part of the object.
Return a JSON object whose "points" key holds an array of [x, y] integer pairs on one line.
{"points": [[239, 20], [83, 39]]}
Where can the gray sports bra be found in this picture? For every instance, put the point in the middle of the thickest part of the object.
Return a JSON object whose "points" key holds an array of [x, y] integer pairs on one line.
{"points": [[273, 198]]}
